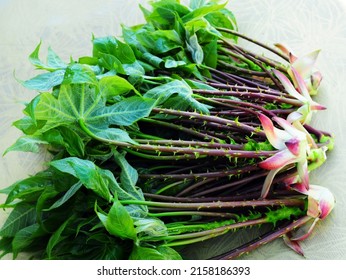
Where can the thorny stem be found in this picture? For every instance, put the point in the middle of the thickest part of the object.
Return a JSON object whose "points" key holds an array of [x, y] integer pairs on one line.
{"points": [[181, 150], [216, 174], [253, 41], [190, 143], [208, 234], [212, 119], [255, 60], [191, 213], [182, 129], [220, 204], [251, 95], [254, 244]]}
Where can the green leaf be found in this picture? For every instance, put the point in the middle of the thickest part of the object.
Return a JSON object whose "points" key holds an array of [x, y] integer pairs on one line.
{"points": [[223, 18], [66, 196], [195, 4], [128, 175], [29, 188], [5, 246], [160, 41], [160, 253], [210, 54], [164, 13], [26, 144], [163, 92], [24, 238], [79, 74], [56, 237], [83, 102], [21, 216], [202, 11], [28, 125], [150, 227], [110, 45], [113, 134], [110, 62], [195, 49], [171, 63], [45, 81], [101, 181], [118, 222], [125, 112], [114, 85], [72, 141], [54, 62]]}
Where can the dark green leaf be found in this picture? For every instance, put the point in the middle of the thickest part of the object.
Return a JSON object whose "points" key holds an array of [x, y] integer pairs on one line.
{"points": [[101, 181], [29, 188], [24, 238], [56, 238], [74, 188], [210, 54], [21, 216], [128, 175]]}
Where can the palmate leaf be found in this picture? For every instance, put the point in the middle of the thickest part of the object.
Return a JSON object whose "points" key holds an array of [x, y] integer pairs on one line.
{"points": [[81, 102]]}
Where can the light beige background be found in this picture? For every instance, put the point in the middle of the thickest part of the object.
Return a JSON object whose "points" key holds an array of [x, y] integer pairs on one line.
{"points": [[67, 26]]}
